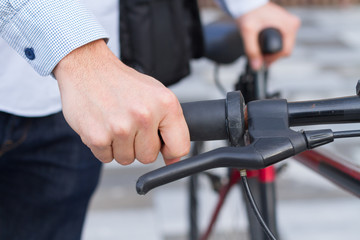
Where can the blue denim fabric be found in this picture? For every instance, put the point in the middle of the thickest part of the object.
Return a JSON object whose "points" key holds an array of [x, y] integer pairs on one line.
{"points": [[47, 177]]}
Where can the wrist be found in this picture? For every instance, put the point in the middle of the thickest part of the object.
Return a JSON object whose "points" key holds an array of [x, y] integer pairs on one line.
{"points": [[81, 59]]}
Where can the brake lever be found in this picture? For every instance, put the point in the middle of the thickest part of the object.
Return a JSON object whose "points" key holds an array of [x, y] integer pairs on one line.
{"points": [[244, 157], [259, 154]]}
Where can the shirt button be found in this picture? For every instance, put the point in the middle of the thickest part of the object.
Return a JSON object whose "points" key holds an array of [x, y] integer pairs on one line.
{"points": [[29, 53]]}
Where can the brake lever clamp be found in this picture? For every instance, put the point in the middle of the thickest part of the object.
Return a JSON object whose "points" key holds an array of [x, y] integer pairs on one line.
{"points": [[268, 128]]}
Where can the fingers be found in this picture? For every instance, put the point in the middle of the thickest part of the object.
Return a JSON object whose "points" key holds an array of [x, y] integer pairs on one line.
{"points": [[125, 145], [98, 140], [135, 139], [171, 126], [270, 15], [289, 39], [252, 48], [123, 148], [147, 143], [176, 137], [104, 154]]}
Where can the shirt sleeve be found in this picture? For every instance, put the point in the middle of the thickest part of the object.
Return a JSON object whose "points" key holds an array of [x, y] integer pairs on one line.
{"points": [[237, 8], [45, 31]]}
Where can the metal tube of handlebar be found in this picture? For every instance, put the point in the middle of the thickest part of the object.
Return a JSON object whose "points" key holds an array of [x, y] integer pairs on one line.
{"points": [[337, 110]]}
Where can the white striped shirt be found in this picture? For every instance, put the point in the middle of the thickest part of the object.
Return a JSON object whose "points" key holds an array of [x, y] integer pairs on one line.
{"points": [[237, 8], [45, 31]]}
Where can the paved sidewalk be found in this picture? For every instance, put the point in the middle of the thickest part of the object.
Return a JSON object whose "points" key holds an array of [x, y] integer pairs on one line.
{"points": [[325, 63]]}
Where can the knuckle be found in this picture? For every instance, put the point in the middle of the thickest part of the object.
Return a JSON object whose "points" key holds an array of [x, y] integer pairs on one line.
{"points": [[247, 26], [98, 141], [168, 99], [144, 116], [119, 129]]}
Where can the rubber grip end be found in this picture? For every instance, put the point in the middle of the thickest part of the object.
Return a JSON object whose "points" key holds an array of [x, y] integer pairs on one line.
{"points": [[140, 186]]}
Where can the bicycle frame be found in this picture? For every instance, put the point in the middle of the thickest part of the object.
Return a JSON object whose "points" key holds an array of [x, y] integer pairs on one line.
{"points": [[340, 172], [346, 175]]}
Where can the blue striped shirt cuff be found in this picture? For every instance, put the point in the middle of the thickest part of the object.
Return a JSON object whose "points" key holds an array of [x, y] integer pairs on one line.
{"points": [[237, 8], [45, 31]]}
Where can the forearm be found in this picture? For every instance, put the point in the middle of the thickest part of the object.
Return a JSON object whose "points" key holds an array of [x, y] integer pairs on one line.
{"points": [[44, 32]]}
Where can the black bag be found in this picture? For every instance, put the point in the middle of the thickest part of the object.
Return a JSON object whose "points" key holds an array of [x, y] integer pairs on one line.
{"points": [[160, 37]]}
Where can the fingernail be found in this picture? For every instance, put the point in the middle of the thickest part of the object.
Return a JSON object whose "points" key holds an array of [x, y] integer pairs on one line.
{"points": [[256, 64]]}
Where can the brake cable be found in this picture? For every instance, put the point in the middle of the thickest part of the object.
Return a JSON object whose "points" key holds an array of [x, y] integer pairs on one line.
{"points": [[347, 134], [253, 205]]}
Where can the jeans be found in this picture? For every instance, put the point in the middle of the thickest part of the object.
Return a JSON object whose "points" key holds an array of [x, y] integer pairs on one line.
{"points": [[47, 176]]}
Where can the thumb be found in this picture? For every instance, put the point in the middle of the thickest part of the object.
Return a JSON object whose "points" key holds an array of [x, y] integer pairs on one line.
{"points": [[256, 63]]}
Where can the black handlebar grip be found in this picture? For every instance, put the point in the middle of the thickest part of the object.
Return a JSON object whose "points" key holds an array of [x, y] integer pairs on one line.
{"points": [[206, 120], [270, 41]]}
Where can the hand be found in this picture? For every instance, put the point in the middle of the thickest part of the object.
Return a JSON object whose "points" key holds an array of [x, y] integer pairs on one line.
{"points": [[269, 15], [117, 111]]}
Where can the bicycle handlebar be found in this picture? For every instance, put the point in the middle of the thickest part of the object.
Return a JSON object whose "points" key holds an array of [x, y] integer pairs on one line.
{"points": [[270, 41], [268, 125], [337, 110], [207, 120], [224, 44]]}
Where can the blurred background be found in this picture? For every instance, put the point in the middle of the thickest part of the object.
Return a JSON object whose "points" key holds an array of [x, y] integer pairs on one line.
{"points": [[325, 63]]}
